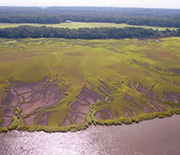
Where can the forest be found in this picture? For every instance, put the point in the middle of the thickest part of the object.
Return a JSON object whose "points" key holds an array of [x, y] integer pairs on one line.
{"points": [[84, 33], [51, 15]]}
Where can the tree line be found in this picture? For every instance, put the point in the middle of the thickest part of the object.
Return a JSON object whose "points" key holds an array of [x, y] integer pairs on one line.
{"points": [[52, 15], [84, 33]]}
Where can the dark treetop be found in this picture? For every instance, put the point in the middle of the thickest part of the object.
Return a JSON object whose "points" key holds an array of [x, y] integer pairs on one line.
{"points": [[84, 33], [50, 15]]}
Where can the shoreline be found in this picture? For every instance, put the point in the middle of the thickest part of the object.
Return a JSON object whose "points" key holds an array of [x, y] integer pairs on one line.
{"points": [[19, 125], [158, 136]]}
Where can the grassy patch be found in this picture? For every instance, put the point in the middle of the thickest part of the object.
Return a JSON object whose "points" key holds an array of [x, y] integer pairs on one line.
{"points": [[77, 25], [138, 79]]}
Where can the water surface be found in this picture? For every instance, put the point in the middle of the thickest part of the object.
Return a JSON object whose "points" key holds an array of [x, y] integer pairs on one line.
{"points": [[154, 137]]}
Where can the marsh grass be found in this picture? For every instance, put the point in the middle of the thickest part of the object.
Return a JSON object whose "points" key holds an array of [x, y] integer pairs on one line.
{"points": [[114, 69], [77, 25]]}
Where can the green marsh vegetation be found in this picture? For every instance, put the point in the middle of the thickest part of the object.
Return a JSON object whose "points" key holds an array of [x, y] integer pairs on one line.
{"points": [[77, 25], [56, 84]]}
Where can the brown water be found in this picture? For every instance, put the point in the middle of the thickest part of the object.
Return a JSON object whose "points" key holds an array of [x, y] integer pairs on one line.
{"points": [[154, 137]]}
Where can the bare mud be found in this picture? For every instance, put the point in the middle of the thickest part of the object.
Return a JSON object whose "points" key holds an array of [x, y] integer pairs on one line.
{"points": [[81, 107], [147, 110], [30, 98], [44, 119], [36, 102], [7, 121], [172, 97], [104, 115]]}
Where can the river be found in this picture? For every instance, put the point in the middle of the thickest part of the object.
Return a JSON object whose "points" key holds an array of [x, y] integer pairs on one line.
{"points": [[153, 137]]}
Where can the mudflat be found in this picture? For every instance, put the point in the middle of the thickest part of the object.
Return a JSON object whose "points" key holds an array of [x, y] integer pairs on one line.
{"points": [[67, 85]]}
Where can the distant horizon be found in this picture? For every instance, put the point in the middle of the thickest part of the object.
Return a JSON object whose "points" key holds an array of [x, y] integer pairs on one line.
{"points": [[152, 4], [92, 7]]}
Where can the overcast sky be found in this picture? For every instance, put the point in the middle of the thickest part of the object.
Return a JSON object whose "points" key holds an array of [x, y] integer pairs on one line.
{"points": [[115, 3]]}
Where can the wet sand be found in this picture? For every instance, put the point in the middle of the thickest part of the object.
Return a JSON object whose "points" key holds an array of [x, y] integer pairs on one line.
{"points": [[153, 137]]}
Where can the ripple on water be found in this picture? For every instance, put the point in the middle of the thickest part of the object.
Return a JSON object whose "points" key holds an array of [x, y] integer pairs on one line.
{"points": [[158, 136]]}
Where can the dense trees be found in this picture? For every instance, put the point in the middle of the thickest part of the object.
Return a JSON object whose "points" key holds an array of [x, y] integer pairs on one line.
{"points": [[134, 16], [84, 33]]}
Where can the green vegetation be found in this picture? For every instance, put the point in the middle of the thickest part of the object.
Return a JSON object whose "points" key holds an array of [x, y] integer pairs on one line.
{"points": [[85, 33], [55, 15], [77, 25], [53, 84]]}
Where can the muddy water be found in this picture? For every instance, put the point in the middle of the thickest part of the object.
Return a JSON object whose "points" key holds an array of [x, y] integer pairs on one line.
{"points": [[154, 137]]}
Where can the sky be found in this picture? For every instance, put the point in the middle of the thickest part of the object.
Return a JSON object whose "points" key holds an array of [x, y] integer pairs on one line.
{"points": [[174, 4]]}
